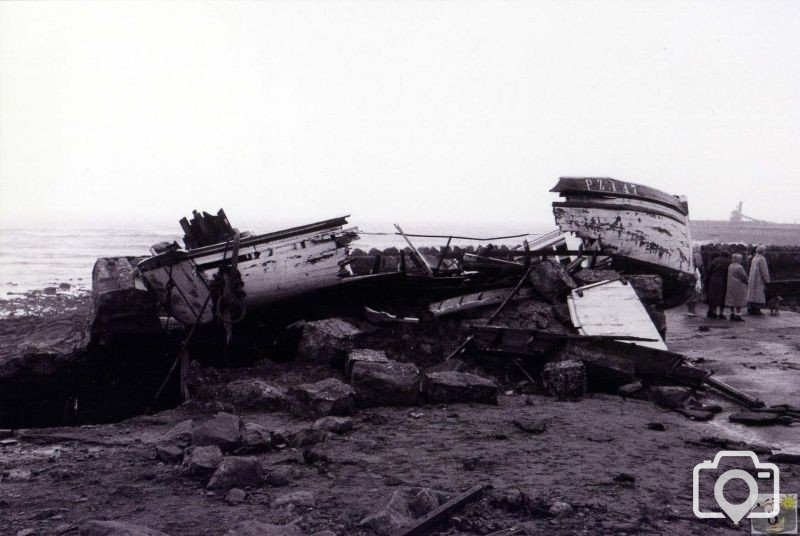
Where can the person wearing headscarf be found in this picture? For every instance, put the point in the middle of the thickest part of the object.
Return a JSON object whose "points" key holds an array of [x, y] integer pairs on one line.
{"points": [[716, 285], [736, 292], [757, 287]]}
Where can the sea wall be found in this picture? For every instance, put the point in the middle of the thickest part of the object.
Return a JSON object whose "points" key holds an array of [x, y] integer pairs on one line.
{"points": [[783, 261]]}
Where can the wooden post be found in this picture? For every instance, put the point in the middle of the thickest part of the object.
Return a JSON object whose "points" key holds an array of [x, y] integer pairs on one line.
{"points": [[510, 295], [442, 256], [416, 253]]}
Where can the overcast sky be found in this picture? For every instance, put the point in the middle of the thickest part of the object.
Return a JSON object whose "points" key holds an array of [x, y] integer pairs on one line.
{"points": [[135, 113]]}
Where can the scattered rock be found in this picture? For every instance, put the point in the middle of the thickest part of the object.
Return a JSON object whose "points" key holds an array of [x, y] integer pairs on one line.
{"points": [[752, 418], [235, 496], [656, 426], [179, 435], [669, 396], [363, 355], [424, 501], [385, 384], [394, 515], [696, 414], [49, 290], [535, 426], [785, 457], [117, 528], [279, 477], [625, 478], [327, 341], [566, 380], [256, 394], [169, 453], [307, 437], [551, 281], [202, 461], [326, 397], [452, 387], [631, 390], [224, 431], [649, 288], [64, 286], [237, 473], [257, 528], [255, 438], [589, 276], [560, 509], [298, 498], [335, 425]]}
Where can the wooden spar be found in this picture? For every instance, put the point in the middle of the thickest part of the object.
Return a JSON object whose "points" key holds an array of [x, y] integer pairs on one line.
{"points": [[734, 394], [416, 253], [510, 295], [423, 525], [442, 256], [546, 335], [474, 300]]}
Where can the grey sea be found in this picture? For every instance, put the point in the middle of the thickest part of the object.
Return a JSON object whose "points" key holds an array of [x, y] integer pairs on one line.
{"points": [[33, 259]]}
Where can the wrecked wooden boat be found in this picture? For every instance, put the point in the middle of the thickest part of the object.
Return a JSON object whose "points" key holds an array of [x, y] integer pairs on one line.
{"points": [[271, 267], [646, 230]]}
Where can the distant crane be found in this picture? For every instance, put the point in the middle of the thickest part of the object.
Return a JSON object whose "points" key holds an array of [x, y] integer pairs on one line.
{"points": [[737, 216]]}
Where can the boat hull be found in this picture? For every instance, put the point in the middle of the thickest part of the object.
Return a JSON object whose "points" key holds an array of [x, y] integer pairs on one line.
{"points": [[646, 230], [273, 268]]}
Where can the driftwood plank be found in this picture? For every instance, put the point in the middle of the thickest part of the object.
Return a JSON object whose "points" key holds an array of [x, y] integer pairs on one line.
{"points": [[423, 524]]}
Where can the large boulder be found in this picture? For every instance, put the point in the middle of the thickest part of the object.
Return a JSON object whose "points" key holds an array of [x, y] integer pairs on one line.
{"points": [[202, 461], [238, 472], [669, 396], [169, 446], [256, 394], [649, 288], [363, 355], [385, 384], [179, 435], [551, 281], [117, 528], [565, 380], [223, 430], [336, 425], [255, 438], [327, 341], [451, 387], [326, 397]]}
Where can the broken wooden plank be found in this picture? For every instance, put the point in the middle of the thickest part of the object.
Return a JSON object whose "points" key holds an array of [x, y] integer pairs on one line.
{"points": [[416, 253], [734, 394], [382, 317], [476, 300], [511, 295], [612, 307], [434, 517]]}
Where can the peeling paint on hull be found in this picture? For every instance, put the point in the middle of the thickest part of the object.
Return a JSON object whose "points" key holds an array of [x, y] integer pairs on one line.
{"points": [[271, 271]]}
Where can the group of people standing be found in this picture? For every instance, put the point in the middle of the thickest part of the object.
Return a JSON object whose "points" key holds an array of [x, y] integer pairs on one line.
{"points": [[734, 282]]}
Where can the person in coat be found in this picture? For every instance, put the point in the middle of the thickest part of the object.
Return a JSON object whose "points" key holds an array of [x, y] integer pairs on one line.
{"points": [[759, 277], [736, 293], [716, 285]]}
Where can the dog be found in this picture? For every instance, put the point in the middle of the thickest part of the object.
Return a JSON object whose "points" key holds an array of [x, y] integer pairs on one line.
{"points": [[774, 305]]}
